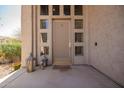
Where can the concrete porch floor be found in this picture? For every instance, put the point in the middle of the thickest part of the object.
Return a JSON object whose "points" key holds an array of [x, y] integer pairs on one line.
{"points": [[76, 77]]}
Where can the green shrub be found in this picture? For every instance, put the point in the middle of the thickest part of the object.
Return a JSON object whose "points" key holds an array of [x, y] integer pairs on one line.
{"points": [[16, 67], [11, 51]]}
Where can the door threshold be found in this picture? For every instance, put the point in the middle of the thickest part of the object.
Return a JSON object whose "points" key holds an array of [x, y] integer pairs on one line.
{"points": [[62, 64]]}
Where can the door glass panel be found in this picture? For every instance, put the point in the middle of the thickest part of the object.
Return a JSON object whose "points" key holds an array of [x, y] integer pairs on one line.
{"points": [[55, 10], [43, 24], [66, 9], [78, 50], [78, 10], [78, 37], [44, 10], [78, 23], [44, 37]]}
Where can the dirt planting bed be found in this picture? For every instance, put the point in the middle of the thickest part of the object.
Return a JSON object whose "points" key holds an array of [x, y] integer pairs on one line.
{"points": [[5, 69]]}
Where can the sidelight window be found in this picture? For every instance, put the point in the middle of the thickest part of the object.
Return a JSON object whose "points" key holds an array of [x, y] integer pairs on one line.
{"points": [[43, 23], [78, 50], [44, 37], [78, 23], [78, 37]]}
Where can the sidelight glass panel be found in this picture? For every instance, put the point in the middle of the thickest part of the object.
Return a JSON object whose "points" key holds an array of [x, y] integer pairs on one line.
{"points": [[45, 50], [78, 37], [43, 23], [78, 50], [44, 37], [78, 23]]}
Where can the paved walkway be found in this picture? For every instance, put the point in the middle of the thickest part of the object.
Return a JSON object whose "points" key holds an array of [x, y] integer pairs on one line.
{"points": [[76, 77]]}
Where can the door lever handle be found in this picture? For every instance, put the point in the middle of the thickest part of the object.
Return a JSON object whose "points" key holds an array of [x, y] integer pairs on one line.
{"points": [[69, 45]]}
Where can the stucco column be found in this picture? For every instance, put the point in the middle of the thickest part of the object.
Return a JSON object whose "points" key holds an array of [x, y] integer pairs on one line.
{"points": [[26, 25]]}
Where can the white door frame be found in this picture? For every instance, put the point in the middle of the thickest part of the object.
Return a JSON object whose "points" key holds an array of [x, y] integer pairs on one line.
{"points": [[50, 18]]}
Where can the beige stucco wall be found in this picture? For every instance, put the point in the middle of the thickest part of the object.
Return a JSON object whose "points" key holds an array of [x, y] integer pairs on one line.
{"points": [[106, 27], [26, 32]]}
